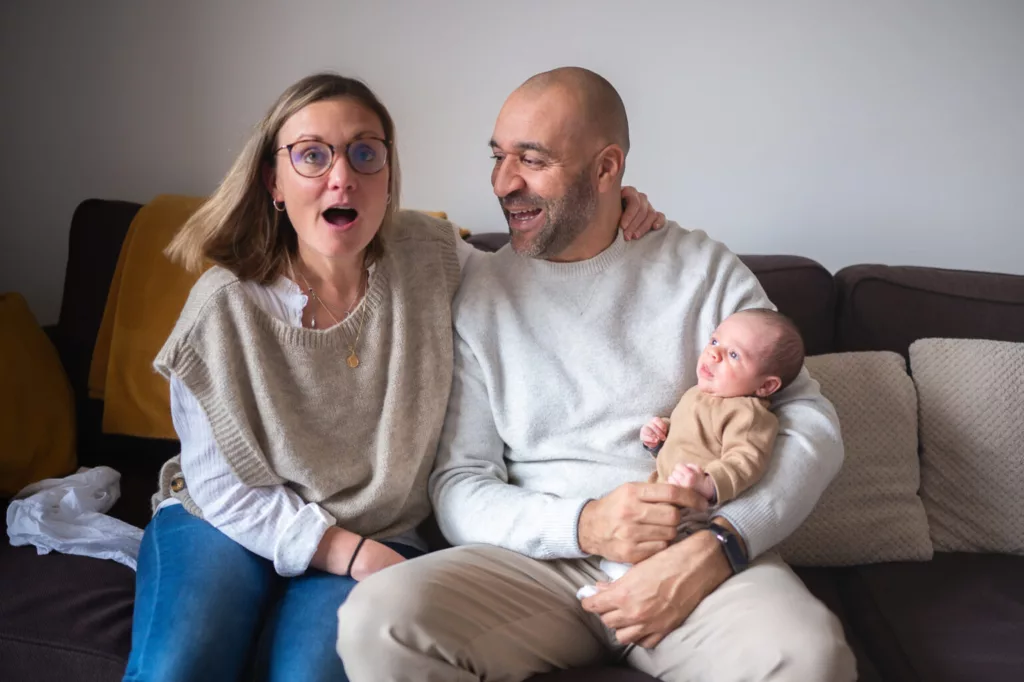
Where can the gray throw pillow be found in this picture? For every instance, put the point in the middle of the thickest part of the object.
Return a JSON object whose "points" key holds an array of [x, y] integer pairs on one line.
{"points": [[871, 511], [971, 395]]}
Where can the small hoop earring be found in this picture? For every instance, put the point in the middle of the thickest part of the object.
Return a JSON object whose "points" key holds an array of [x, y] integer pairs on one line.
{"points": [[276, 207]]}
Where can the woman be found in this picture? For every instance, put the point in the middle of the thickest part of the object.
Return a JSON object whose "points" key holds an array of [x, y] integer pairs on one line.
{"points": [[309, 374]]}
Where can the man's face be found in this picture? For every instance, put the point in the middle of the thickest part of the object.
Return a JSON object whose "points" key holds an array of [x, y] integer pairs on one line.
{"points": [[544, 185]]}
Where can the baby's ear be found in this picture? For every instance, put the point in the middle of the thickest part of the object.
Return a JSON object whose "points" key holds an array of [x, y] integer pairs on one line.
{"points": [[768, 387]]}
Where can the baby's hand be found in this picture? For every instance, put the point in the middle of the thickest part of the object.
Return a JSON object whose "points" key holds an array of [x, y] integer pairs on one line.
{"points": [[654, 432], [691, 476]]}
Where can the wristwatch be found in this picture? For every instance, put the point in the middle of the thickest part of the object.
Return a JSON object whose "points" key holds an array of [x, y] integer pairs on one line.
{"points": [[734, 553]]}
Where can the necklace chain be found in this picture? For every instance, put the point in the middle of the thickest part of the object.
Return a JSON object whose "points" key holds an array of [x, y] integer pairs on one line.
{"points": [[353, 358]]}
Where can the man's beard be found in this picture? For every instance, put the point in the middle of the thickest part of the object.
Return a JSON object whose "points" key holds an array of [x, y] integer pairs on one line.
{"points": [[565, 218]]}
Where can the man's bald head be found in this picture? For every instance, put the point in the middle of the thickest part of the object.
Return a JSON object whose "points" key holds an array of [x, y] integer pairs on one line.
{"points": [[559, 149], [601, 113]]}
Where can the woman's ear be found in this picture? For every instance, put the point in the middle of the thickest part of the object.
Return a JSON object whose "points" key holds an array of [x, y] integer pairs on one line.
{"points": [[270, 181], [768, 387]]}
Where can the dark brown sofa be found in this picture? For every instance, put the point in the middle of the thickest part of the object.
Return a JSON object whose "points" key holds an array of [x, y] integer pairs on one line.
{"points": [[958, 617]]}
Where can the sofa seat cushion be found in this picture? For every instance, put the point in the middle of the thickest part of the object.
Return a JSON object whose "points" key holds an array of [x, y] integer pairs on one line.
{"points": [[825, 584], [63, 617], [957, 618]]}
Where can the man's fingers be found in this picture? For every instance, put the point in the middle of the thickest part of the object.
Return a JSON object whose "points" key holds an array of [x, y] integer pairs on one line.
{"points": [[600, 604], [614, 619], [671, 494], [651, 641], [630, 634], [660, 516]]}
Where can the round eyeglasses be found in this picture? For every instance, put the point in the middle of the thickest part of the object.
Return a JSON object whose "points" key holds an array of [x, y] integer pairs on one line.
{"points": [[313, 158]]}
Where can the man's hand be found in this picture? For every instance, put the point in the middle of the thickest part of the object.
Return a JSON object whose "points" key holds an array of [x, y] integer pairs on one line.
{"points": [[635, 521], [657, 595]]}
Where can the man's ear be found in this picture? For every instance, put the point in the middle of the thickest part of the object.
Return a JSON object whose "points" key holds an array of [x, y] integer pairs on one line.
{"points": [[270, 180], [611, 164], [768, 387]]}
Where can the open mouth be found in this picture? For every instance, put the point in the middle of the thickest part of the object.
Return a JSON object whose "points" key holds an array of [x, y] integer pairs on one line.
{"points": [[522, 219], [340, 216]]}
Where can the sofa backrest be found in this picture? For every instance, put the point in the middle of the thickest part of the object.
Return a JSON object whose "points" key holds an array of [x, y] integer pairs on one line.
{"points": [[887, 308], [865, 307]]}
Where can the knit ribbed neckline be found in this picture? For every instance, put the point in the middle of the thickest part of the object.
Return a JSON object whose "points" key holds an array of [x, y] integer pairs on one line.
{"points": [[338, 336], [585, 268]]}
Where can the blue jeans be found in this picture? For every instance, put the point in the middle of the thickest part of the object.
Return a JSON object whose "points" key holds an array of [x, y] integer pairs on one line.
{"points": [[206, 608]]}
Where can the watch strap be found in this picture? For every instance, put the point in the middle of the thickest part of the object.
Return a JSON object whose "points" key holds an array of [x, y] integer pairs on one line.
{"points": [[731, 547]]}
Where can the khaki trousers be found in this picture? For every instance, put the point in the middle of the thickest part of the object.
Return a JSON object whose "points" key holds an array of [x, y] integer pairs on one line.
{"points": [[483, 613]]}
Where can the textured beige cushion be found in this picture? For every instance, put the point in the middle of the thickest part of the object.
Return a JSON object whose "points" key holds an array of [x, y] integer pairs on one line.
{"points": [[972, 439], [871, 511]]}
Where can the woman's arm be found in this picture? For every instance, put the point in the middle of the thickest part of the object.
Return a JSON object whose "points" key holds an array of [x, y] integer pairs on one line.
{"points": [[273, 521]]}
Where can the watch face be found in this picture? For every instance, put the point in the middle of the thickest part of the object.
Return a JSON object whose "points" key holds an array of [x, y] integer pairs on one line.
{"points": [[730, 545]]}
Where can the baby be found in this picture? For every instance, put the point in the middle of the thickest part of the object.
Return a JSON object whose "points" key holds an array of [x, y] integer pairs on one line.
{"points": [[721, 434]]}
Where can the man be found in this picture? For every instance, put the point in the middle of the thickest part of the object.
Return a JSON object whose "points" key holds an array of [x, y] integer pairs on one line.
{"points": [[566, 344]]}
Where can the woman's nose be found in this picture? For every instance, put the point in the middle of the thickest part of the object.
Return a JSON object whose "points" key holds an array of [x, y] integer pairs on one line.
{"points": [[341, 174]]}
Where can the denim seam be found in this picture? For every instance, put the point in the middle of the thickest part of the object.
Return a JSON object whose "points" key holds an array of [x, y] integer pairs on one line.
{"points": [[152, 611]]}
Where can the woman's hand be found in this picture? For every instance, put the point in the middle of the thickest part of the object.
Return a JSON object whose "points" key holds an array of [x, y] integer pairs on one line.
{"points": [[638, 216]]}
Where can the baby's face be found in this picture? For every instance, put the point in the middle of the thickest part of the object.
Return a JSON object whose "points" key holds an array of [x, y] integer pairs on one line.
{"points": [[732, 363]]}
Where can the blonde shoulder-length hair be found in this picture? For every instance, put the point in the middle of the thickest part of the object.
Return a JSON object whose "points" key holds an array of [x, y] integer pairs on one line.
{"points": [[238, 227]]}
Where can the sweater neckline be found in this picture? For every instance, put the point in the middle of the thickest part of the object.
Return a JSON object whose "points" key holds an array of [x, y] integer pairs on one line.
{"points": [[585, 268], [336, 336]]}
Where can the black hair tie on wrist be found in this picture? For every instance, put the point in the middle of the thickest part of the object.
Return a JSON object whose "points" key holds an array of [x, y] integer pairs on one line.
{"points": [[352, 561]]}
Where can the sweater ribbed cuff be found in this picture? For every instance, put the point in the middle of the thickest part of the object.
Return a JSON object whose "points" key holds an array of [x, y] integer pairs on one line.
{"points": [[559, 537], [755, 524], [299, 540]]}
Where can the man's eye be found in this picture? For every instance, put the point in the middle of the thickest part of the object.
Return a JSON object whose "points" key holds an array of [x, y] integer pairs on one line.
{"points": [[532, 162]]}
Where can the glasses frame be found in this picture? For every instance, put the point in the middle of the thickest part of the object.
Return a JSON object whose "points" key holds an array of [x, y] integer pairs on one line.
{"points": [[335, 156]]}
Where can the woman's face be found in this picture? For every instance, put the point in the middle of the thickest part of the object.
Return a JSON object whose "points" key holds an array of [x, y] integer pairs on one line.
{"points": [[337, 213]]}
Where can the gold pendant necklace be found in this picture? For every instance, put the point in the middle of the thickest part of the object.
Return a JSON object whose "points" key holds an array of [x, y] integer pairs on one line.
{"points": [[353, 359]]}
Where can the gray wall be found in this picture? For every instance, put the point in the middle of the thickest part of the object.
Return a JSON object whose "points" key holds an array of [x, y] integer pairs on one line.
{"points": [[881, 130]]}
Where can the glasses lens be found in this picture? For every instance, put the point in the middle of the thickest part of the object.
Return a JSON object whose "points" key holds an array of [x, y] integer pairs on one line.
{"points": [[311, 158], [367, 156]]}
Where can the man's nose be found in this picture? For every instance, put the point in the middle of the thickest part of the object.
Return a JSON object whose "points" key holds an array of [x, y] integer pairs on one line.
{"points": [[506, 179]]}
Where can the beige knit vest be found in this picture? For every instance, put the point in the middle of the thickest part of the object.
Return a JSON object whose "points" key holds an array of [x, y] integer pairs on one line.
{"points": [[285, 408]]}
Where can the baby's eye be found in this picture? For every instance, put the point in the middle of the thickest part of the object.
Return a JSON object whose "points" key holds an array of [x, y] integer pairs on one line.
{"points": [[734, 355], [714, 341]]}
